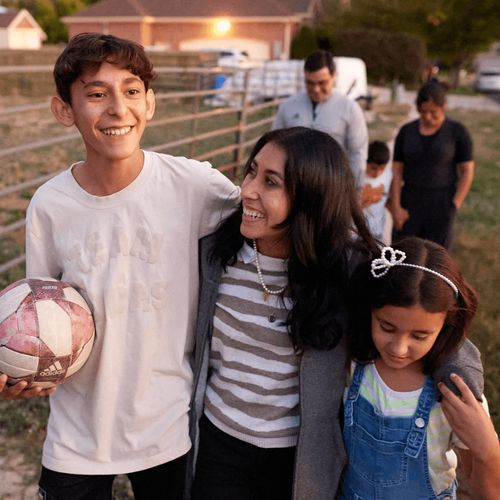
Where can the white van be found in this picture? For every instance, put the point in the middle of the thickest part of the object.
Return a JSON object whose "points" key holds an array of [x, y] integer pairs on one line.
{"points": [[278, 78], [488, 75]]}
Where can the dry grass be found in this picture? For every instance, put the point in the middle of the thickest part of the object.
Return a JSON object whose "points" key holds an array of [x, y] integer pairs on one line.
{"points": [[387, 118], [477, 245]]}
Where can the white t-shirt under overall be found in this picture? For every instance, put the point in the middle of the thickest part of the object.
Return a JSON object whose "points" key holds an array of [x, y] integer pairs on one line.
{"points": [[134, 256], [375, 213]]}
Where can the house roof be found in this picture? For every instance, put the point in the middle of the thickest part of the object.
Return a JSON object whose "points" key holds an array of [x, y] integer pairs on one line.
{"points": [[198, 8], [7, 17], [15, 19]]}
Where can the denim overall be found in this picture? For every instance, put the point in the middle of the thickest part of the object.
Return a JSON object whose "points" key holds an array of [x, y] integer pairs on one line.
{"points": [[387, 455]]}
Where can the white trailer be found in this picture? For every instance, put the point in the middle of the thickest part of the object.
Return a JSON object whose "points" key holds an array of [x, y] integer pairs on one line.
{"points": [[284, 78]]}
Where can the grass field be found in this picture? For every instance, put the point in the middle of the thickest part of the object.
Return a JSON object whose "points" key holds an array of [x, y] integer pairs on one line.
{"points": [[477, 243]]}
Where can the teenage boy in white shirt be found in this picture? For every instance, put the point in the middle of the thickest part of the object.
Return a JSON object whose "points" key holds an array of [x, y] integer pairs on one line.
{"points": [[123, 227]]}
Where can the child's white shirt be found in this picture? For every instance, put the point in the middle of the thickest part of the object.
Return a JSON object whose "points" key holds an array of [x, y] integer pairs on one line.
{"points": [[375, 213], [440, 436], [134, 256]]}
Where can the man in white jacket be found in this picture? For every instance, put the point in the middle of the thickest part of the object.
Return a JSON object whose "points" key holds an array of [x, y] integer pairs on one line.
{"points": [[323, 108]]}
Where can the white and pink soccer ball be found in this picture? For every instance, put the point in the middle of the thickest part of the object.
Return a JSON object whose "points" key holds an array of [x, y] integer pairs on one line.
{"points": [[46, 331]]}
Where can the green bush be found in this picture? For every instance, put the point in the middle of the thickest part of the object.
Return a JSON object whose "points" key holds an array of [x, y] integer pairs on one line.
{"points": [[304, 43], [388, 56]]}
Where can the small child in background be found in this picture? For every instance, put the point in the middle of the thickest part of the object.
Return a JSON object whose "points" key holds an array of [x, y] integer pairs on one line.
{"points": [[375, 190], [413, 310]]}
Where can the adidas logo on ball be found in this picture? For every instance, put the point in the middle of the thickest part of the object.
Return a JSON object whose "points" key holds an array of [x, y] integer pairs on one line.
{"points": [[55, 369]]}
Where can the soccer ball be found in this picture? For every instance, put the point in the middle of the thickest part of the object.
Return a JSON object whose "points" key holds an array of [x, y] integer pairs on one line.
{"points": [[46, 331]]}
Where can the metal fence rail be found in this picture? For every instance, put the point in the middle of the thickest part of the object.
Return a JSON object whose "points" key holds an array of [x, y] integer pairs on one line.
{"points": [[236, 138]]}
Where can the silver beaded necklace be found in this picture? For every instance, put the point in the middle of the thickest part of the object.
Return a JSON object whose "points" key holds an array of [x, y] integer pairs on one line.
{"points": [[267, 291]]}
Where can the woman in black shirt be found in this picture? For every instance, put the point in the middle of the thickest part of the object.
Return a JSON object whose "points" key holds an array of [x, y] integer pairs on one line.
{"points": [[433, 170]]}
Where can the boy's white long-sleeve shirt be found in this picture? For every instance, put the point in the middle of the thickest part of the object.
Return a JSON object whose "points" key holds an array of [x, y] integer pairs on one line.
{"points": [[134, 257]]}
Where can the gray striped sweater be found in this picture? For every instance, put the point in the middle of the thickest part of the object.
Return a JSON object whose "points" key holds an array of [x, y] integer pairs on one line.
{"points": [[252, 393]]}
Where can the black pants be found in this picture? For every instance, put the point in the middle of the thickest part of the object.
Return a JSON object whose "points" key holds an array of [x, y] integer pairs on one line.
{"points": [[230, 469], [164, 482], [432, 214]]}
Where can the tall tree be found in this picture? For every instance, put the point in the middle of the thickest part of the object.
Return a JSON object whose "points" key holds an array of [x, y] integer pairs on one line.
{"points": [[457, 30], [454, 31], [9, 4]]}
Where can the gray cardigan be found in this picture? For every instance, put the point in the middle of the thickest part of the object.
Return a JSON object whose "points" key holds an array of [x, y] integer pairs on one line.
{"points": [[320, 455]]}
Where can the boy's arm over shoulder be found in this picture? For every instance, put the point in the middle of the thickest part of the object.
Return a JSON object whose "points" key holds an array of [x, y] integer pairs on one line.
{"points": [[210, 195], [465, 362], [222, 199]]}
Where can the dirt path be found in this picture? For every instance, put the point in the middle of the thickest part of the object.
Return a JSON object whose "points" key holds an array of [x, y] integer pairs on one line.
{"points": [[18, 477]]}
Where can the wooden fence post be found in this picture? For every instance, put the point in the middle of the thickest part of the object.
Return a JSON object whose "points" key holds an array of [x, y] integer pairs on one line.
{"points": [[242, 123], [196, 110]]}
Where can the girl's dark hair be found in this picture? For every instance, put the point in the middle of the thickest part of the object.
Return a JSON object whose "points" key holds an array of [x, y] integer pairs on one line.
{"points": [[407, 287], [434, 91], [87, 51], [325, 226]]}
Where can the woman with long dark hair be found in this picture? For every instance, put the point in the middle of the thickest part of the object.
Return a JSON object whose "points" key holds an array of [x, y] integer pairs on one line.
{"points": [[272, 320]]}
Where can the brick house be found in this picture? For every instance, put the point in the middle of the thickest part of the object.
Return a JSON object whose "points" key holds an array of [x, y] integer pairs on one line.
{"points": [[19, 30], [264, 28]]}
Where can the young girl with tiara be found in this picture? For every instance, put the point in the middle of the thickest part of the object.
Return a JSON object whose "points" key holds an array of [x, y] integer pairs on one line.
{"points": [[413, 310]]}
